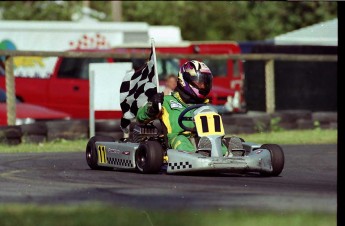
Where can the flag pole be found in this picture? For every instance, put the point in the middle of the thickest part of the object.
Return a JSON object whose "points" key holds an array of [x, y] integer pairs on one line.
{"points": [[155, 66]]}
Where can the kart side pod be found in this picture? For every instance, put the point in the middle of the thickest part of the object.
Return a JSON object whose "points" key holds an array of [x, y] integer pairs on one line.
{"points": [[116, 154]]}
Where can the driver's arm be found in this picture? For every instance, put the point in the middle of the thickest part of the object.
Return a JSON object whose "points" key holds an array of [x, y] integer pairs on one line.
{"points": [[150, 110]]}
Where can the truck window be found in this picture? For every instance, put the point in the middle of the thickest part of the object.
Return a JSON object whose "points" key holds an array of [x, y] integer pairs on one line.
{"points": [[2, 96], [77, 68], [219, 68], [2, 68], [236, 68], [167, 67], [137, 63]]}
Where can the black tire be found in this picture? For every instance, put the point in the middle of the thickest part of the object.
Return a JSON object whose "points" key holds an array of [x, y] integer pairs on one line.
{"points": [[278, 159], [149, 157], [67, 129], [115, 135], [37, 128], [11, 132], [34, 138], [11, 141], [108, 126], [91, 152]]}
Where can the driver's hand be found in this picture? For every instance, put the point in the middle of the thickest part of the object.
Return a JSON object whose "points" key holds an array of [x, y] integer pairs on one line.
{"points": [[154, 103], [156, 99]]}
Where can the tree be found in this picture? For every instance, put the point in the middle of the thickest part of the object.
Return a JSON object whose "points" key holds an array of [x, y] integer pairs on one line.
{"points": [[202, 20], [39, 10]]}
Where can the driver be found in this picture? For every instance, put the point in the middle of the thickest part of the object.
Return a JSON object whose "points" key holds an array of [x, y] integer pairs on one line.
{"points": [[194, 83]]}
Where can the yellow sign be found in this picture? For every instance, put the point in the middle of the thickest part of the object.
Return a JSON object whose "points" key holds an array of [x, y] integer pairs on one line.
{"points": [[28, 61], [209, 123], [102, 156]]}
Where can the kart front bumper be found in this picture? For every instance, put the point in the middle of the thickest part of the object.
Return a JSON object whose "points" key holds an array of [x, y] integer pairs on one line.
{"points": [[258, 160]]}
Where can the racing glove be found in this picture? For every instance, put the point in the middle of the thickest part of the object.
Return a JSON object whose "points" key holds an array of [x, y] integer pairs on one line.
{"points": [[153, 104]]}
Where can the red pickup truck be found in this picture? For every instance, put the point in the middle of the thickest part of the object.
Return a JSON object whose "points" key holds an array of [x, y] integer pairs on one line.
{"points": [[67, 89]]}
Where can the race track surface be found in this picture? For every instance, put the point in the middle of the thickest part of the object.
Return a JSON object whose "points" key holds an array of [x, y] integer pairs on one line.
{"points": [[308, 182]]}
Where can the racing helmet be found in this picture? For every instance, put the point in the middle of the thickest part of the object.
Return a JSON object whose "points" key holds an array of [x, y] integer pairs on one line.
{"points": [[194, 81]]}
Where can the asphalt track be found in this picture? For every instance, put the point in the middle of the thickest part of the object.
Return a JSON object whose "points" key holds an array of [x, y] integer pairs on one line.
{"points": [[308, 182]]}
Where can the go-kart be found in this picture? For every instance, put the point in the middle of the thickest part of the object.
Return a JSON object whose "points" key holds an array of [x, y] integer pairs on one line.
{"points": [[147, 150]]}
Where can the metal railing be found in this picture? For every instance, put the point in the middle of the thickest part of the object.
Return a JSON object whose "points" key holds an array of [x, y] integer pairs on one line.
{"points": [[268, 58]]}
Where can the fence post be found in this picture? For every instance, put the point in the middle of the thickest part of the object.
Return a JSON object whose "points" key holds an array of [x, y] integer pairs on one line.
{"points": [[10, 92], [269, 86]]}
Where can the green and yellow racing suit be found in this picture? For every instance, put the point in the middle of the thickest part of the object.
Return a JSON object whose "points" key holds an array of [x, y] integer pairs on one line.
{"points": [[172, 107]]}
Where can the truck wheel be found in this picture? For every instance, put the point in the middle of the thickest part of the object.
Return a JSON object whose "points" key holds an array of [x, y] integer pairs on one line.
{"points": [[91, 152], [277, 157], [149, 157]]}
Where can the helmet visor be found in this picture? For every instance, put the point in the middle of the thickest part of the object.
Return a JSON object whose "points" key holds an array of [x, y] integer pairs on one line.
{"points": [[202, 82]]}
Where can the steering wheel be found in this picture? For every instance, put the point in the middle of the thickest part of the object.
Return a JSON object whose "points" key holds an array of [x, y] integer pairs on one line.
{"points": [[182, 117]]}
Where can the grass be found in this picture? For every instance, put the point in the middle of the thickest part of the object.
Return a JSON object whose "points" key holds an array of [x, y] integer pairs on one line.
{"points": [[101, 214], [52, 146], [316, 136]]}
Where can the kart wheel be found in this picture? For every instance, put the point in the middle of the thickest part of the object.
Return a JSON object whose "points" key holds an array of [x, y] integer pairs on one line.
{"points": [[91, 152], [277, 157], [149, 157]]}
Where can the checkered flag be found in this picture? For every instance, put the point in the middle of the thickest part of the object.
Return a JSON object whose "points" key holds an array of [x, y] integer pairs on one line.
{"points": [[136, 88]]}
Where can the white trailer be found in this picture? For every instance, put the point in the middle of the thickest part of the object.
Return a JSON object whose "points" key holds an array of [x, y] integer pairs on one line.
{"points": [[61, 36], [66, 35]]}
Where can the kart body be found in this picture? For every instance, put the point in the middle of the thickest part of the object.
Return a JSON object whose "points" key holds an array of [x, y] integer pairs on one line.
{"points": [[148, 152]]}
